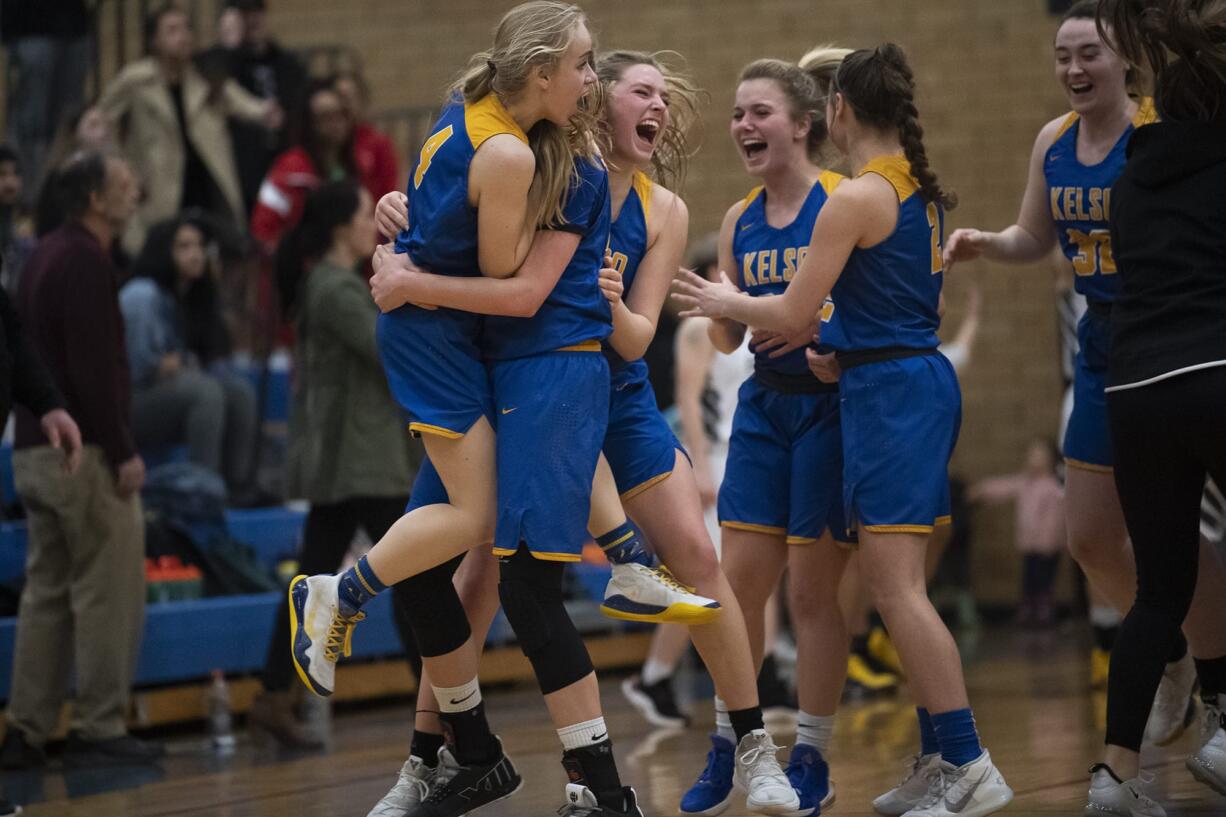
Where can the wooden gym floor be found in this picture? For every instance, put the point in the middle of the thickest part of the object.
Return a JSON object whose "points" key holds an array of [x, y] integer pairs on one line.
{"points": [[1042, 724]]}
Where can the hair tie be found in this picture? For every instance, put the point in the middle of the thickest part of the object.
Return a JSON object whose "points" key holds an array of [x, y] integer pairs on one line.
{"points": [[493, 68]]}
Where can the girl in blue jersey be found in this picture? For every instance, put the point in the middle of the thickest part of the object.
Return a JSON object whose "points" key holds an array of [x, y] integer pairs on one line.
{"points": [[500, 162], [652, 474], [875, 249], [1076, 159], [779, 505]]}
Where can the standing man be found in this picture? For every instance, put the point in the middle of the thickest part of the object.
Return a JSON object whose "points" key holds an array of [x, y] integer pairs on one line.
{"points": [[84, 599]]}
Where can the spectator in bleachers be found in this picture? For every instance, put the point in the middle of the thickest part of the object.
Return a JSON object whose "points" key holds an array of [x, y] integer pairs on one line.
{"points": [[374, 153], [323, 151], [87, 128], [173, 126], [183, 389], [257, 62], [349, 451], [16, 230], [84, 600], [49, 51]]}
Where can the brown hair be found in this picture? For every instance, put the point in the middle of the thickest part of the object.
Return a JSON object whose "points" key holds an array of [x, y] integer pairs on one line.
{"points": [[532, 35], [1183, 42], [671, 158], [803, 94], [880, 88], [1088, 10]]}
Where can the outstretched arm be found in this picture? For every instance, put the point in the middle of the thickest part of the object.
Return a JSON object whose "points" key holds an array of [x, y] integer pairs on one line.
{"points": [[861, 211], [726, 335], [1031, 237]]}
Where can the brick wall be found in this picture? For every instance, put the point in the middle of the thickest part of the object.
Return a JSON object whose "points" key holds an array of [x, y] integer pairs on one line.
{"points": [[985, 87]]}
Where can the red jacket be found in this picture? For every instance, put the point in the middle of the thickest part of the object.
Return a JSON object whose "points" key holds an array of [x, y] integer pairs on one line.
{"points": [[376, 159], [293, 176]]}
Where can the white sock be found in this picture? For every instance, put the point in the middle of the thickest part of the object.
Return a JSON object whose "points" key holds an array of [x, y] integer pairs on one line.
{"points": [[588, 733], [815, 730], [723, 723], [654, 671], [458, 699]]}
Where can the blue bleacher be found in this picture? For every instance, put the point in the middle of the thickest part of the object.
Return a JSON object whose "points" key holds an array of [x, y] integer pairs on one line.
{"points": [[185, 640]]}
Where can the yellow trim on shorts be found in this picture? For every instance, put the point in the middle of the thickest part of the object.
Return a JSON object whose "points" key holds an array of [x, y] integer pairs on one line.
{"points": [[1089, 466], [544, 557], [643, 486], [585, 346], [752, 528], [426, 428], [947, 519], [802, 540], [898, 528]]}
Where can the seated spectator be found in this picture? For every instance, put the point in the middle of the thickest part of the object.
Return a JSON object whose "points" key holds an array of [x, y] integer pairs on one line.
{"points": [[174, 127], [374, 153], [178, 345], [249, 54], [16, 231]]}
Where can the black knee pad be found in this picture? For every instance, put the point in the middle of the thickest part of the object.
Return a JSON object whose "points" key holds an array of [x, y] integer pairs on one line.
{"points": [[432, 606], [531, 594]]}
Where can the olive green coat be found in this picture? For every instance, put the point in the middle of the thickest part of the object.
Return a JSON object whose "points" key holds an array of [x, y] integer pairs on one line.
{"points": [[347, 435]]}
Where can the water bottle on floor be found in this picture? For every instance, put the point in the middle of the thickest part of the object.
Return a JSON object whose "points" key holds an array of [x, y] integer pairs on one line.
{"points": [[220, 722]]}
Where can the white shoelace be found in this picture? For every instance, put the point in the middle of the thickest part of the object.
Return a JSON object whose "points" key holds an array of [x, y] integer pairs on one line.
{"points": [[761, 758]]}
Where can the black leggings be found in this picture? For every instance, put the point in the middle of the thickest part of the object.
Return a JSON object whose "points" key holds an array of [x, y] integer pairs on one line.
{"points": [[1167, 437], [326, 537]]}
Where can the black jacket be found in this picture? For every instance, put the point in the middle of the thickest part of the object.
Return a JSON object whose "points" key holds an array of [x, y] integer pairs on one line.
{"points": [[1168, 235], [22, 376]]}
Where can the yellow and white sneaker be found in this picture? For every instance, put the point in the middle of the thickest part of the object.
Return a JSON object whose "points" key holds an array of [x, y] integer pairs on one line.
{"points": [[319, 632], [639, 593]]}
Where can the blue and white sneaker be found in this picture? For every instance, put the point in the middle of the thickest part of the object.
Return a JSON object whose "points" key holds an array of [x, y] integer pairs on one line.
{"points": [[810, 776], [713, 791], [639, 593], [319, 631]]}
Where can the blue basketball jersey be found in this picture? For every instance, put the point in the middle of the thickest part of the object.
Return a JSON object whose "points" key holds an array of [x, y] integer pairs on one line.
{"points": [[576, 311], [1080, 200], [888, 294], [627, 246], [442, 232], [767, 258]]}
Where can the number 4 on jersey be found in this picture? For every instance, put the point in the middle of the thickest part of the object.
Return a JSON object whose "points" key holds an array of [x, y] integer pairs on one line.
{"points": [[427, 153]]}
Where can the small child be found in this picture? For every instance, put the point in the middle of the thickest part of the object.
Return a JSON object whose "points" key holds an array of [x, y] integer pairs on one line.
{"points": [[1038, 528]]}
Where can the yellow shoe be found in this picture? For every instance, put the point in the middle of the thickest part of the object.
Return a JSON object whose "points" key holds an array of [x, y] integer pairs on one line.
{"points": [[881, 648], [1100, 667], [860, 674]]}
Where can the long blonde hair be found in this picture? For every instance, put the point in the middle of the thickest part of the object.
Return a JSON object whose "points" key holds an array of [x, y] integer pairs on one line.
{"points": [[531, 35], [671, 158]]}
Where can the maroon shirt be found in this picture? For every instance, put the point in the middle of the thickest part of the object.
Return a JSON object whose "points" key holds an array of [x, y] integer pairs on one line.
{"points": [[68, 301]]}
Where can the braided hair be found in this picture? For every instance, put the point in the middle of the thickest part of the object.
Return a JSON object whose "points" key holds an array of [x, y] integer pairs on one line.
{"points": [[880, 88]]}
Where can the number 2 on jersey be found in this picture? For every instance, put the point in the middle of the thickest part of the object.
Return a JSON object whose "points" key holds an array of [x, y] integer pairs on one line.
{"points": [[427, 153]]}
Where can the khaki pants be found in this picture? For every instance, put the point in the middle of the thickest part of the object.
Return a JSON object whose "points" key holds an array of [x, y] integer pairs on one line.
{"points": [[84, 598]]}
